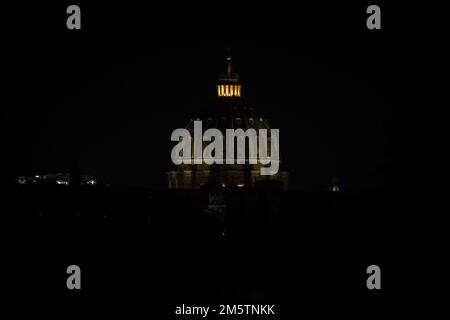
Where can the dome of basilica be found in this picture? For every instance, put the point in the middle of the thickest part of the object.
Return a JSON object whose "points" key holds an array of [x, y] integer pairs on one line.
{"points": [[229, 112]]}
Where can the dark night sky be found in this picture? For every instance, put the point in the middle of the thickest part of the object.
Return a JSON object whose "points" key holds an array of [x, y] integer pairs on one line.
{"points": [[108, 97]]}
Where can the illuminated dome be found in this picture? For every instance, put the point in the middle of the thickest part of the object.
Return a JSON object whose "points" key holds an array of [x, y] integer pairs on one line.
{"points": [[230, 112]]}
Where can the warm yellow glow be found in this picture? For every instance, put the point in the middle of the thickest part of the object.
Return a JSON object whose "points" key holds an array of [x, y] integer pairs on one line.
{"points": [[240, 185], [229, 90]]}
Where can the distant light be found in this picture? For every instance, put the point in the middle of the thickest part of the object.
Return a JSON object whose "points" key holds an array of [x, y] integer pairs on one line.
{"points": [[21, 180], [62, 182], [229, 90], [36, 176], [335, 188], [240, 185], [223, 184], [92, 182]]}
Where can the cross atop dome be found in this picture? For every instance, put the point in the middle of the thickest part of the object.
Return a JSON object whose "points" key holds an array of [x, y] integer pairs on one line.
{"points": [[228, 58], [228, 86]]}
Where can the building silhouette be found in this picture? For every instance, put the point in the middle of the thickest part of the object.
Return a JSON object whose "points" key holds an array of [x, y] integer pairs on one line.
{"points": [[230, 112]]}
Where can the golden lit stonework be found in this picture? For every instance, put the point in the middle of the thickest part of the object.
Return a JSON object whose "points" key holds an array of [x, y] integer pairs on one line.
{"points": [[228, 86], [225, 90]]}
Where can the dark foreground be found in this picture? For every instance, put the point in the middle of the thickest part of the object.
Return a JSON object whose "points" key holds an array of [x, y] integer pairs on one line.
{"points": [[151, 251]]}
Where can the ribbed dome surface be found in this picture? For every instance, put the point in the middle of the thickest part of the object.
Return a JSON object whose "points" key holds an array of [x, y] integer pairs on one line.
{"points": [[230, 117], [229, 112]]}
